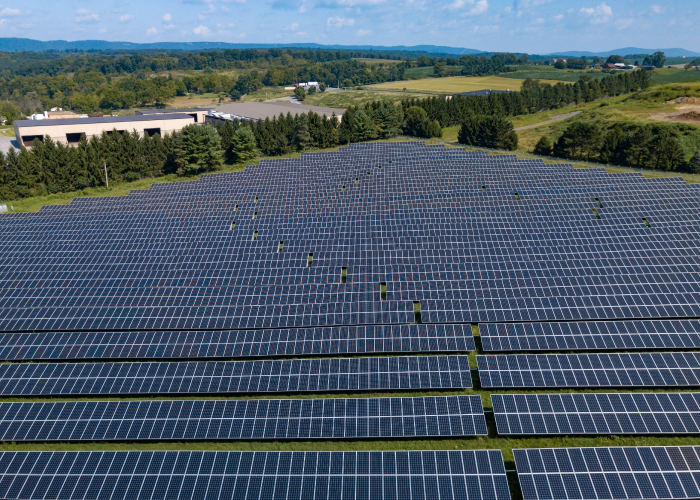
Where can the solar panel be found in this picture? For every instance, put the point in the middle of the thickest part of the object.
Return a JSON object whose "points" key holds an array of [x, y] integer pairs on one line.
{"points": [[236, 344], [646, 369], [597, 413], [190, 475], [590, 335], [659, 472], [216, 377], [243, 419]]}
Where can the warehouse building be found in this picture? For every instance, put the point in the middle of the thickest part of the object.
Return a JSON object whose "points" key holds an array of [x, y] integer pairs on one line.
{"points": [[68, 131]]}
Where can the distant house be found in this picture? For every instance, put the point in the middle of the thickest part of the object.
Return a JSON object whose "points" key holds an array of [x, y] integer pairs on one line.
{"points": [[649, 67], [554, 61], [609, 66]]}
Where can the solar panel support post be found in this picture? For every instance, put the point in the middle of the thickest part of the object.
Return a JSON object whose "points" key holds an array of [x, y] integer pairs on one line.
{"points": [[106, 179]]}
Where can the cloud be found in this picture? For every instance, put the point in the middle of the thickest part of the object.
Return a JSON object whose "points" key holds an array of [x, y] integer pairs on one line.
{"points": [[292, 27], [477, 7], [152, 31], [167, 18], [201, 30], [352, 3], [559, 17], [600, 14], [339, 22], [362, 32], [169, 27], [86, 16], [656, 9], [126, 18], [302, 33], [7, 12]]}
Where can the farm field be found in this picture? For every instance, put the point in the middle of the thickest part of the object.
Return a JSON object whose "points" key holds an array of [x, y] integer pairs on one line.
{"points": [[455, 84]]}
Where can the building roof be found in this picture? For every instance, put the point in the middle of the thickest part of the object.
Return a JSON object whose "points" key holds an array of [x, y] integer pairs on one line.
{"points": [[262, 110], [103, 119], [164, 111]]}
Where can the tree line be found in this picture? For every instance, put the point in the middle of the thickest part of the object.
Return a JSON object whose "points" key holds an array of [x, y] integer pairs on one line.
{"points": [[643, 146]]}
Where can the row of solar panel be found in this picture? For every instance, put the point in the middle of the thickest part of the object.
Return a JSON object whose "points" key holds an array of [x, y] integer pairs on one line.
{"points": [[294, 375], [185, 475], [251, 419], [609, 473]]}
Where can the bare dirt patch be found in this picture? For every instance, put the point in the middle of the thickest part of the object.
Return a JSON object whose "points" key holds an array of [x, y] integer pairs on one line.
{"points": [[688, 113]]}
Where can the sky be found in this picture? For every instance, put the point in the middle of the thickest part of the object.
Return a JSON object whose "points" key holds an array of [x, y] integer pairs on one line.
{"points": [[532, 26]]}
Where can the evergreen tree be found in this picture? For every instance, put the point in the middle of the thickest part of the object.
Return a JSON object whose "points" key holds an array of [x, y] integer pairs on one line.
{"points": [[300, 94], [543, 146], [302, 137], [637, 145], [243, 145], [580, 140], [610, 149], [416, 122], [198, 149], [666, 152], [363, 126], [694, 163]]}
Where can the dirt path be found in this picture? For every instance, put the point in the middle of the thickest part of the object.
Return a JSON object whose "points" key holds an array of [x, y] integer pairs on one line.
{"points": [[554, 119]]}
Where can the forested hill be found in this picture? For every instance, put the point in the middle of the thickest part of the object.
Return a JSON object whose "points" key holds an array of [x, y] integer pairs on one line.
{"points": [[27, 44]]}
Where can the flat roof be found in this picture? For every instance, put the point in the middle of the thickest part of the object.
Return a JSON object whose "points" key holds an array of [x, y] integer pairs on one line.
{"points": [[102, 119], [163, 111], [269, 109]]}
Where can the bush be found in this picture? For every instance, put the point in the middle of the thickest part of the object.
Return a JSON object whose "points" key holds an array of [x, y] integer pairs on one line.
{"points": [[322, 87], [131, 177], [198, 149], [543, 147], [300, 93]]}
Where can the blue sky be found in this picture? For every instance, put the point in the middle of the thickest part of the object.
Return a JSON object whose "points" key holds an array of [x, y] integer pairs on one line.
{"points": [[534, 26]]}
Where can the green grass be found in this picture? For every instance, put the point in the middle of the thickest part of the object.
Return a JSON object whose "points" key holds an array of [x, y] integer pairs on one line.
{"points": [[563, 75], [664, 76]]}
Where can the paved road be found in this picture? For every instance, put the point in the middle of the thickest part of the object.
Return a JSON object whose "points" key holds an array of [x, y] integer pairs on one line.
{"points": [[554, 119], [8, 142]]}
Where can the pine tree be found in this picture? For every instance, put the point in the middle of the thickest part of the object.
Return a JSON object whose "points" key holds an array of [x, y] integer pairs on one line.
{"points": [[302, 137], [543, 146], [243, 145], [363, 126], [694, 163], [198, 149]]}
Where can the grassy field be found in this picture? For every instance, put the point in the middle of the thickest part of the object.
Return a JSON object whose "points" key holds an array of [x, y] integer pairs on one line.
{"points": [[347, 98], [454, 84], [553, 74], [370, 60], [672, 75]]}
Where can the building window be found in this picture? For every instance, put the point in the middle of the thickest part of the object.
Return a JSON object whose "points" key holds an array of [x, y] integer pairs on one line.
{"points": [[150, 132], [28, 139], [74, 138]]}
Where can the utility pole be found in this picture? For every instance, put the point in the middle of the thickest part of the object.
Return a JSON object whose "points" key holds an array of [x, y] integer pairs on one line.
{"points": [[106, 179]]}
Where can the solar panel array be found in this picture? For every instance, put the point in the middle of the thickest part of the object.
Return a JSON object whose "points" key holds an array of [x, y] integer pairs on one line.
{"points": [[597, 413], [376, 249], [662, 472], [192, 475], [662, 369], [243, 419], [591, 335]]}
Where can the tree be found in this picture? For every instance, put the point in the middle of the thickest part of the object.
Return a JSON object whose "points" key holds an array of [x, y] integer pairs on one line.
{"points": [[243, 145], [198, 149], [300, 94], [560, 64], [235, 95], [302, 138], [580, 140], [312, 89], [611, 151], [543, 146], [417, 122], [694, 163], [615, 59], [362, 129], [657, 59], [322, 87], [493, 131], [666, 151]]}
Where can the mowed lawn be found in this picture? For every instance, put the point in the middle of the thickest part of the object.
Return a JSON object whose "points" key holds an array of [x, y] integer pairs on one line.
{"points": [[457, 84]]}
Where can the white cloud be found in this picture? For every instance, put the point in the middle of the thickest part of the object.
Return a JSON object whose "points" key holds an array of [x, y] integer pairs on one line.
{"points": [[477, 7], [7, 12], [292, 27], [600, 14], [362, 32], [656, 9], [559, 17], [86, 16], [339, 22], [126, 18], [201, 30], [169, 27], [302, 33], [152, 31], [167, 18], [491, 28], [354, 3]]}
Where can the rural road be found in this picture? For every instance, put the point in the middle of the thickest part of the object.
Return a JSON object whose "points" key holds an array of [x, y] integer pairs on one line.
{"points": [[551, 120]]}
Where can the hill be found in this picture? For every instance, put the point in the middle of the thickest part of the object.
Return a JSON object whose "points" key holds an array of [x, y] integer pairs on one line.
{"points": [[628, 50]]}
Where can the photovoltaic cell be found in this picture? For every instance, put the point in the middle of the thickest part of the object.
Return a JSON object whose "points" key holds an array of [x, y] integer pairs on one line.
{"points": [[591, 335], [216, 377], [597, 413], [190, 475], [659, 472], [662, 369], [243, 419]]}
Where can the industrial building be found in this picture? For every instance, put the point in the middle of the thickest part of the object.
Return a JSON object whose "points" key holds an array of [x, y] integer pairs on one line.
{"points": [[255, 111], [69, 131]]}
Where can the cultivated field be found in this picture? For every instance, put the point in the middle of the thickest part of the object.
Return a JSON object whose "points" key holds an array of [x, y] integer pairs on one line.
{"points": [[456, 84]]}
